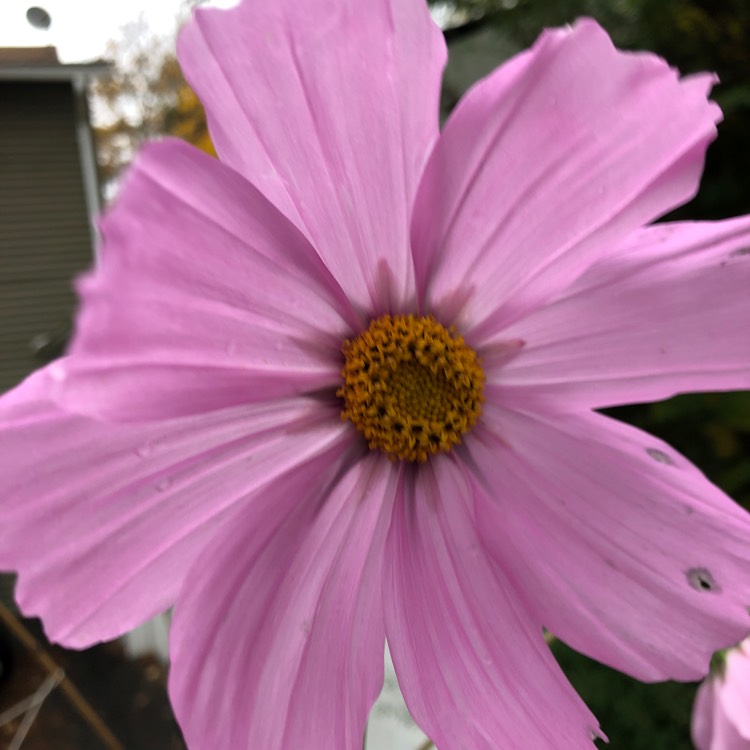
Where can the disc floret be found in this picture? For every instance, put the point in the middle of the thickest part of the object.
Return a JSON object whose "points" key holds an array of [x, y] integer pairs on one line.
{"points": [[411, 386]]}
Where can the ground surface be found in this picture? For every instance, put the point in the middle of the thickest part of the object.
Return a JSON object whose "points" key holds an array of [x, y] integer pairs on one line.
{"points": [[128, 696]]}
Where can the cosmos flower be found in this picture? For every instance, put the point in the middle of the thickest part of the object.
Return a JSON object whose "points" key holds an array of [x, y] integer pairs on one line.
{"points": [[340, 386], [721, 715]]}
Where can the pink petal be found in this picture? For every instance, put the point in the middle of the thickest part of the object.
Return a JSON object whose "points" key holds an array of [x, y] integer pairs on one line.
{"points": [[726, 736], [627, 552], [206, 297], [278, 634], [544, 166], [667, 313], [733, 691], [103, 521], [330, 107], [471, 661], [702, 721]]}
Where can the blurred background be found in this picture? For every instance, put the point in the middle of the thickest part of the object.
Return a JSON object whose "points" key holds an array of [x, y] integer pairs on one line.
{"points": [[82, 84]]}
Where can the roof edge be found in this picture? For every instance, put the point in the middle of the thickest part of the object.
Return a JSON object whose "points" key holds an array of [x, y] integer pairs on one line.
{"points": [[42, 64], [53, 72]]}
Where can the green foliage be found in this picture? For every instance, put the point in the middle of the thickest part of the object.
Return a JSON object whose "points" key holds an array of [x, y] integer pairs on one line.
{"points": [[634, 715]]}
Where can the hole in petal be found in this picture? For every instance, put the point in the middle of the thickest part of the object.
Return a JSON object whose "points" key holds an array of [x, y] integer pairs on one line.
{"points": [[660, 456], [702, 580]]}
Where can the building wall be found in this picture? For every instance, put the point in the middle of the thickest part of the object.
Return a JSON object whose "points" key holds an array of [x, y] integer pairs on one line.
{"points": [[45, 239]]}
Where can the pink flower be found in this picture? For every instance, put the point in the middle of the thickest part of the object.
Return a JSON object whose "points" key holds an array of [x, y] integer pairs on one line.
{"points": [[231, 296], [721, 715]]}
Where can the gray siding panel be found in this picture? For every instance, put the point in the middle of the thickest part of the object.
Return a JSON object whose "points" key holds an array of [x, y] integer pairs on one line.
{"points": [[44, 232]]}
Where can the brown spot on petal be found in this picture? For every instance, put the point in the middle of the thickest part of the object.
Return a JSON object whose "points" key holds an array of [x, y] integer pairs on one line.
{"points": [[660, 456], [702, 580], [740, 252], [452, 305], [499, 354]]}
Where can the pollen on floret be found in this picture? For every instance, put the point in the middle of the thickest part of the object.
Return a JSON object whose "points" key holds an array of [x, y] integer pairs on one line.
{"points": [[412, 387]]}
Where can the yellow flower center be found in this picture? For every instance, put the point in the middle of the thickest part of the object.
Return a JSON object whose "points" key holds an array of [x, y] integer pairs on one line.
{"points": [[411, 386]]}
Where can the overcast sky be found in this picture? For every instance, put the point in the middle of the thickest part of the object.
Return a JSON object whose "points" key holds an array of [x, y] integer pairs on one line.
{"points": [[80, 29]]}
